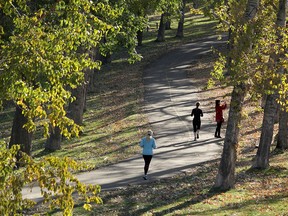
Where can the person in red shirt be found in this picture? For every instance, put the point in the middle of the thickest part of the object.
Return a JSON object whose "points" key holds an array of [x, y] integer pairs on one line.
{"points": [[219, 116]]}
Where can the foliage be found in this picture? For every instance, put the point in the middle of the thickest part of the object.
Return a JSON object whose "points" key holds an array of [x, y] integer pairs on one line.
{"points": [[142, 7], [255, 65], [43, 58], [45, 46], [54, 177], [171, 7], [130, 22]]}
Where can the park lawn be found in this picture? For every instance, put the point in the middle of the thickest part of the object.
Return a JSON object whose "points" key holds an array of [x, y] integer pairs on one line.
{"points": [[114, 122], [257, 192]]}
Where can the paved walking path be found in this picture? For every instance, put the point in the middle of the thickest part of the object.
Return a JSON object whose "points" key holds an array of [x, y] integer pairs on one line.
{"points": [[169, 98]]}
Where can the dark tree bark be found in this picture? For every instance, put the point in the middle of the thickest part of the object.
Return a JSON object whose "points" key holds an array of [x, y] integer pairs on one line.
{"points": [[20, 135], [77, 107], [282, 142], [262, 156], [53, 142], [168, 25], [282, 134], [161, 30], [180, 29], [139, 37]]}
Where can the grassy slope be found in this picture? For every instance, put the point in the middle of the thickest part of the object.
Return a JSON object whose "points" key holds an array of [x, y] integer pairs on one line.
{"points": [[255, 193], [114, 120]]}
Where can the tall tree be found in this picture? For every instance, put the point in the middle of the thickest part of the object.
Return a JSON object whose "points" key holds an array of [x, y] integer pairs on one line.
{"points": [[262, 157], [180, 29], [225, 178], [39, 64], [125, 37], [167, 9], [19, 134], [282, 142], [161, 29], [141, 9], [54, 139]]}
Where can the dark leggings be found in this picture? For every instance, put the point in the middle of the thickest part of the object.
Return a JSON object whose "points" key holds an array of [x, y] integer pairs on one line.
{"points": [[218, 128], [196, 125], [147, 159]]}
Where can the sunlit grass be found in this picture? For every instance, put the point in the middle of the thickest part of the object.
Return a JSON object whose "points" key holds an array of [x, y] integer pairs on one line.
{"points": [[114, 122]]}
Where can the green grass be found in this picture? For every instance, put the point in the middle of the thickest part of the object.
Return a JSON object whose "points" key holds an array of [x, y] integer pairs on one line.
{"points": [[114, 122], [256, 193]]}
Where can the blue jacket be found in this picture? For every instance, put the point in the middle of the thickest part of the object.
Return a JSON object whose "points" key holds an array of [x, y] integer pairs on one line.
{"points": [[148, 146]]}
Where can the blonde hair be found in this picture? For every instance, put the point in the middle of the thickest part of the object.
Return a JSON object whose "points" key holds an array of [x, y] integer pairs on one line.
{"points": [[149, 134]]}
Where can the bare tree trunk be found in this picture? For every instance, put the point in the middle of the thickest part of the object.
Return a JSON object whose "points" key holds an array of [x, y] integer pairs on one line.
{"points": [[180, 29], [282, 135], [225, 179], [168, 25], [282, 142], [53, 142], [139, 37], [161, 30], [76, 108], [19, 135], [262, 156]]}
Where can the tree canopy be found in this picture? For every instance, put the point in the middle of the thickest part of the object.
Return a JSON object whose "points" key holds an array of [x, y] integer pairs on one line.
{"points": [[45, 48]]}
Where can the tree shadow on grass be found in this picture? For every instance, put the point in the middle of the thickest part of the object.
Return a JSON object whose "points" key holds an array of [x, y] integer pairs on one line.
{"points": [[44, 152], [192, 186]]}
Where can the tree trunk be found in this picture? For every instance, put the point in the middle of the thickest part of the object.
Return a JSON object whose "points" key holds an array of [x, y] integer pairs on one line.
{"points": [[282, 11], [168, 25], [53, 142], [20, 135], [180, 29], [282, 135], [139, 37], [262, 156], [161, 30], [76, 108], [225, 179]]}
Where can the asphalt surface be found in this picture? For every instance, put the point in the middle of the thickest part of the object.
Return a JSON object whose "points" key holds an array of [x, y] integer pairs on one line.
{"points": [[169, 99]]}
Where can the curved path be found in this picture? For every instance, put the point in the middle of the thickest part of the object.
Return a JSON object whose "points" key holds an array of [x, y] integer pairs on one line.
{"points": [[169, 98]]}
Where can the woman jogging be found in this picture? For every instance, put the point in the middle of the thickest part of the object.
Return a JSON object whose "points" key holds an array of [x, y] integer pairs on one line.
{"points": [[148, 143], [197, 113], [219, 116]]}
